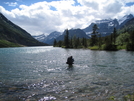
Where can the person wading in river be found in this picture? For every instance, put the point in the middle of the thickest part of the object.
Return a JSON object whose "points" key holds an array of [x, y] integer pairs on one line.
{"points": [[70, 60]]}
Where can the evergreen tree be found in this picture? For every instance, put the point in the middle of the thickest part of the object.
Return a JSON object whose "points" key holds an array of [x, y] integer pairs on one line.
{"points": [[84, 42], [55, 43], [132, 37], [75, 45], [60, 43], [130, 44], [99, 41], [111, 38], [94, 35], [71, 43], [78, 42], [114, 35], [66, 39]]}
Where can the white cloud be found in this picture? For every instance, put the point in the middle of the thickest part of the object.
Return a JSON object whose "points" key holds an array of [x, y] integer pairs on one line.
{"points": [[46, 17], [11, 3], [112, 8], [89, 3]]}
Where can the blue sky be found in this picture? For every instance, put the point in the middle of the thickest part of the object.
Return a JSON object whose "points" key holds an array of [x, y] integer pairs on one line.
{"points": [[11, 4], [45, 16], [130, 4]]}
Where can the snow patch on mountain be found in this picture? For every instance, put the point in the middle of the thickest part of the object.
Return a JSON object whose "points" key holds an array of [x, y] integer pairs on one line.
{"points": [[51, 37], [111, 24], [122, 19], [103, 21], [126, 17], [40, 37]]}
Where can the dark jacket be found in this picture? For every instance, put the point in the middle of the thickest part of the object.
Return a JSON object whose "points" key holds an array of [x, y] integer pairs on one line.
{"points": [[70, 60]]}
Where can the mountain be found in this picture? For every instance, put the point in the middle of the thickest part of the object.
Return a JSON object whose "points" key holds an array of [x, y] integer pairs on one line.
{"points": [[125, 19], [106, 26], [73, 33], [40, 37], [130, 23], [51, 37], [48, 39], [60, 37], [14, 34]]}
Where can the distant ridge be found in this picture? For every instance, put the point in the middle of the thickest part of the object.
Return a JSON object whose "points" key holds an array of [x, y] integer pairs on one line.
{"points": [[14, 34], [106, 27], [48, 39], [73, 33]]}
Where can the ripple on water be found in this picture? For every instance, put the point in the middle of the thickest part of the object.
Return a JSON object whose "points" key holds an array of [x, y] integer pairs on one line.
{"points": [[40, 73]]}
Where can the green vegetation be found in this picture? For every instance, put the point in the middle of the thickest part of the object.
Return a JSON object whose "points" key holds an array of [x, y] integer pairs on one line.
{"points": [[5, 43], [94, 39], [119, 39], [125, 98], [15, 35], [129, 97]]}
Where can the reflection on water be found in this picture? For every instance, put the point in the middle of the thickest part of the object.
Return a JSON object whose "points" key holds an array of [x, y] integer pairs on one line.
{"points": [[41, 74]]}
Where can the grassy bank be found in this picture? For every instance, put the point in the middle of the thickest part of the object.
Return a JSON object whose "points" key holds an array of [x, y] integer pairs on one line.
{"points": [[94, 48], [103, 47], [5, 43]]}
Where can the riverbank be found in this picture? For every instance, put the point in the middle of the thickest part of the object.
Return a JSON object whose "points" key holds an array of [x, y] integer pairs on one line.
{"points": [[5, 43], [103, 47]]}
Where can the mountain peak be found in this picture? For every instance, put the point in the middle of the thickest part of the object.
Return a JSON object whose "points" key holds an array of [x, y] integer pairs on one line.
{"points": [[125, 18], [55, 33], [130, 16]]}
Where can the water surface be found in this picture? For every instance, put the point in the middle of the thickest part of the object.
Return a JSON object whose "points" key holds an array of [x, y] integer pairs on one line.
{"points": [[40, 73]]}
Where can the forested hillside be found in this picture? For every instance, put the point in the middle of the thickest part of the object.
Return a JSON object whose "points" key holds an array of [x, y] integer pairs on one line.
{"points": [[13, 34]]}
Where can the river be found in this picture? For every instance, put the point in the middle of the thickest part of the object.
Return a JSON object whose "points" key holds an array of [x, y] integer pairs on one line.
{"points": [[41, 74]]}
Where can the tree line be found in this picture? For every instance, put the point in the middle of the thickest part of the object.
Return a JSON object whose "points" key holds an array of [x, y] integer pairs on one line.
{"points": [[73, 42], [118, 39]]}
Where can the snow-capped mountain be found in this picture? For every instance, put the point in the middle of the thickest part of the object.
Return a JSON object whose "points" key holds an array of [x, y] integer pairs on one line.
{"points": [[51, 37], [106, 26], [109, 22], [48, 39], [125, 19], [40, 37]]}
